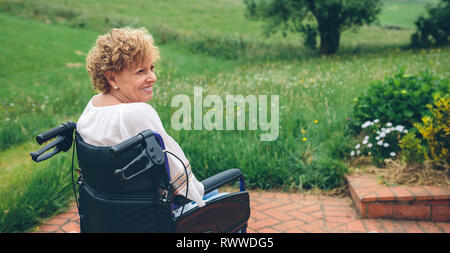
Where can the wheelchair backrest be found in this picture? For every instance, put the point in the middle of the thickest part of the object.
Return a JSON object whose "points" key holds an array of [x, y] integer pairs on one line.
{"points": [[98, 165]]}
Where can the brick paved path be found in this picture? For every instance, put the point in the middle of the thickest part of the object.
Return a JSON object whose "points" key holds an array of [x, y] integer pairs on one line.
{"points": [[291, 213]]}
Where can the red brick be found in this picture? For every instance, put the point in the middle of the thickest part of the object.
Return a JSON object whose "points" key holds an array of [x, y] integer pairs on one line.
{"points": [[384, 194], [264, 223], [289, 225], [68, 215], [71, 227], [266, 206], [438, 192], [294, 230], [412, 212], [441, 202], [334, 202], [429, 227], [48, 228], [402, 194], [411, 227], [339, 213], [333, 225], [369, 197], [356, 226], [440, 213], [376, 210], [289, 207], [339, 219], [311, 208], [268, 230], [258, 215], [317, 214], [445, 227], [420, 193], [312, 226], [278, 215], [392, 226], [302, 216], [373, 225], [56, 221]]}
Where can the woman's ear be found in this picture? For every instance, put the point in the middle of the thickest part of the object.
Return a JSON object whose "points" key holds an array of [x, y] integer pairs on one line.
{"points": [[111, 78]]}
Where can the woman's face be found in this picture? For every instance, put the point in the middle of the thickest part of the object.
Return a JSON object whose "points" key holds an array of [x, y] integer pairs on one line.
{"points": [[136, 83]]}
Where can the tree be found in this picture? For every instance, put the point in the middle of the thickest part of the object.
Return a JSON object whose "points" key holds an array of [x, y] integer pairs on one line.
{"points": [[433, 30], [328, 18]]}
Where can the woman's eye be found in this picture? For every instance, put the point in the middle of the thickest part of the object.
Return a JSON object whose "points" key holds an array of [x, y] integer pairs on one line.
{"points": [[141, 71]]}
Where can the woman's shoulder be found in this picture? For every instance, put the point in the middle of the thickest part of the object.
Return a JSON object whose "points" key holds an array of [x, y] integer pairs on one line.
{"points": [[139, 107]]}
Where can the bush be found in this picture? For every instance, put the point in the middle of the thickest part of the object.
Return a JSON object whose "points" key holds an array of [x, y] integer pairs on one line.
{"points": [[434, 30], [400, 100], [380, 142], [435, 130], [413, 152]]}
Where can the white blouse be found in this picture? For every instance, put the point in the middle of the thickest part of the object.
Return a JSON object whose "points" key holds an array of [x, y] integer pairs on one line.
{"points": [[110, 125]]}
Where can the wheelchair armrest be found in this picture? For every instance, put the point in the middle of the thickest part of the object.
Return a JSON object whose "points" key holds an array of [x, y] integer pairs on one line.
{"points": [[221, 179], [212, 183]]}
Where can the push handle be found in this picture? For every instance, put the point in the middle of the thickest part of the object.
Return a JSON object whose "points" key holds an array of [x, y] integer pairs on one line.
{"points": [[128, 144], [52, 133], [63, 141]]}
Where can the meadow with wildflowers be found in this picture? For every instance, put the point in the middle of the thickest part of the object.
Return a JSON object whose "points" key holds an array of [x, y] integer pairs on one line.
{"points": [[45, 84]]}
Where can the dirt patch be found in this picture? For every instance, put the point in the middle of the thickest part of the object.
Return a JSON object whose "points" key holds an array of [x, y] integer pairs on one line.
{"points": [[431, 173]]}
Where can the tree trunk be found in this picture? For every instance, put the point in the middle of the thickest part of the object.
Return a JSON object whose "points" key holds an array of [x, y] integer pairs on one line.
{"points": [[329, 39]]}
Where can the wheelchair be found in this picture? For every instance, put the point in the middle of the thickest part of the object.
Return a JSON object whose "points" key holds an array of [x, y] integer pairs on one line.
{"points": [[126, 188]]}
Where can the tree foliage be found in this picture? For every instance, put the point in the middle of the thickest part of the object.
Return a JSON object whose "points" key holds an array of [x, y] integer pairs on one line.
{"points": [[328, 18], [434, 30]]}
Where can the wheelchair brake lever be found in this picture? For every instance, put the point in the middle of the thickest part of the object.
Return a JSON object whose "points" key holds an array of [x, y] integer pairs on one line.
{"points": [[39, 155], [121, 172]]}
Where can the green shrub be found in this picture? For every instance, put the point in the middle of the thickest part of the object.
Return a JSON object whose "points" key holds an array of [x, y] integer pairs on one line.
{"points": [[401, 99], [433, 30], [412, 150], [435, 130]]}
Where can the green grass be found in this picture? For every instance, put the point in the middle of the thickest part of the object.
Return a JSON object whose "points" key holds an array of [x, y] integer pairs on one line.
{"points": [[402, 14], [206, 45]]}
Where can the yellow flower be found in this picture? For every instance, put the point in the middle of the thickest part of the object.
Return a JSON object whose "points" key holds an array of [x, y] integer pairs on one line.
{"points": [[304, 139], [303, 131], [316, 121]]}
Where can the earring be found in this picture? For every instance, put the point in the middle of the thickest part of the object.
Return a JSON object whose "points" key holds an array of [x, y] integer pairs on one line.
{"points": [[116, 87]]}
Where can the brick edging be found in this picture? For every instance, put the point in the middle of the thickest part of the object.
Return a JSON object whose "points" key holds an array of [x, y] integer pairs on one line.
{"points": [[373, 200]]}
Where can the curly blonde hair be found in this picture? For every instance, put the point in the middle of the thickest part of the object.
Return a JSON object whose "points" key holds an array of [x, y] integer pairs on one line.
{"points": [[119, 48]]}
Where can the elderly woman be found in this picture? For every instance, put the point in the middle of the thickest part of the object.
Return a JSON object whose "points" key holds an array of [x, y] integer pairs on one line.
{"points": [[121, 67]]}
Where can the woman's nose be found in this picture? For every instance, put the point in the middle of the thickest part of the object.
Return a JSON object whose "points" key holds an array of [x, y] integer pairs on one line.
{"points": [[151, 78]]}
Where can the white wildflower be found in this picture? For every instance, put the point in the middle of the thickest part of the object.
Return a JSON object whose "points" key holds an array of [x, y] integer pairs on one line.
{"points": [[383, 134], [405, 131], [392, 154], [358, 152], [389, 124], [376, 121], [386, 145], [352, 153], [365, 141], [366, 124], [357, 146], [377, 138], [369, 145], [379, 143], [399, 128]]}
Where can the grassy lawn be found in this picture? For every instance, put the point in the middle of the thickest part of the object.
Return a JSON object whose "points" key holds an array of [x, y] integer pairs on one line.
{"points": [[43, 46]]}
